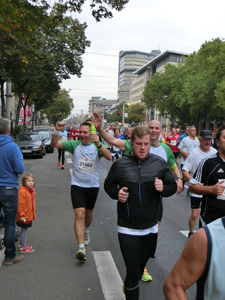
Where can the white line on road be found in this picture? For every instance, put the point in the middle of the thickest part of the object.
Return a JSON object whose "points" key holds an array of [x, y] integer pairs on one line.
{"points": [[71, 172], [108, 274], [69, 161]]}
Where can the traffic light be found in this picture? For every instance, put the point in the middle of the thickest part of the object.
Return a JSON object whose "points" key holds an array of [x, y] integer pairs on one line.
{"points": [[164, 125], [118, 113]]}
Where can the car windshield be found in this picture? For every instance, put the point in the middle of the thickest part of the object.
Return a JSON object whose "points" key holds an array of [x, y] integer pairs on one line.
{"points": [[29, 137], [45, 134]]}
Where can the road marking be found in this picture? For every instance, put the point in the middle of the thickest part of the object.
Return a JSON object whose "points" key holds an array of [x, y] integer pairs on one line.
{"points": [[71, 172], [69, 161], [108, 274], [185, 232], [1, 252], [67, 153]]}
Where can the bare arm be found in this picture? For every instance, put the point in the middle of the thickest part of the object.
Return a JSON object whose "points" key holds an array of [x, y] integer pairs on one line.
{"points": [[186, 174], [185, 155], [55, 138], [106, 136], [105, 152], [176, 174], [199, 189], [188, 268]]}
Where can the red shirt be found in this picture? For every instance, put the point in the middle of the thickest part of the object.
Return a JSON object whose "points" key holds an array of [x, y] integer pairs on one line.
{"points": [[172, 139]]}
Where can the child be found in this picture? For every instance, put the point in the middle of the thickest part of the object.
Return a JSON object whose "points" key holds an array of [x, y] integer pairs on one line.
{"points": [[26, 211]]}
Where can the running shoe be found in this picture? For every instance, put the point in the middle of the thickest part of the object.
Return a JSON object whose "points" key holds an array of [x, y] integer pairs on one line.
{"points": [[27, 246], [86, 238], [145, 276], [81, 255], [26, 250], [58, 163], [62, 167]]}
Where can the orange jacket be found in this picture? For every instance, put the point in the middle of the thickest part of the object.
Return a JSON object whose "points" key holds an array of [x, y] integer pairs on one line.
{"points": [[26, 204]]}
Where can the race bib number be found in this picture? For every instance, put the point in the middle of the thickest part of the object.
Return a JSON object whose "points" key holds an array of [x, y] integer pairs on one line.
{"points": [[223, 195], [86, 164], [173, 143]]}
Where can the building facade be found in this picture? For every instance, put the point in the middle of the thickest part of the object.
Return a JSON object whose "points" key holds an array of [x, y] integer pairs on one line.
{"points": [[145, 73], [129, 62]]}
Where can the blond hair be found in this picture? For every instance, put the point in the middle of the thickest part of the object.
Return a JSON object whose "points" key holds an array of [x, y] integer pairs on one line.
{"points": [[25, 177]]}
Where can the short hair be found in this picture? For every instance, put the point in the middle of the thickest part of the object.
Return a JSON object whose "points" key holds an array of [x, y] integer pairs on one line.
{"points": [[116, 129], [25, 177], [190, 127], [140, 131], [4, 125], [85, 124], [219, 131], [186, 127]]}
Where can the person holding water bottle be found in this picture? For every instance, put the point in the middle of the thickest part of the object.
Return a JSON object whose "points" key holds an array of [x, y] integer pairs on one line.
{"points": [[87, 152]]}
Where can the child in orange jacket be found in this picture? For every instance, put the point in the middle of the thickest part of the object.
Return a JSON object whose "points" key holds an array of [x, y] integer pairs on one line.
{"points": [[26, 212]]}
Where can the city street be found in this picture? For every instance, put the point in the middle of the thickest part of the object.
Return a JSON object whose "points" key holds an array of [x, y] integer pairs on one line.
{"points": [[52, 272]]}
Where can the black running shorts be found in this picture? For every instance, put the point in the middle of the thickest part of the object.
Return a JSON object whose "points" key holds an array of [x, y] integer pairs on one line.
{"points": [[83, 197], [195, 202]]}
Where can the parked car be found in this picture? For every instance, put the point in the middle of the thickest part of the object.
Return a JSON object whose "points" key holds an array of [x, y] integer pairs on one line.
{"points": [[46, 135], [31, 143]]}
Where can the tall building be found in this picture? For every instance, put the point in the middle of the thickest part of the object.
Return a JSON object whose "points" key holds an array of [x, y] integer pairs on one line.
{"points": [[129, 62]]}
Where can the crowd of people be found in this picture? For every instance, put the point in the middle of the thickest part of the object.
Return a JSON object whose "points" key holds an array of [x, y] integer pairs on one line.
{"points": [[144, 169]]}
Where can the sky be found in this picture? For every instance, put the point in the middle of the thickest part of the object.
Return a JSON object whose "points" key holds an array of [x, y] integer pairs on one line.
{"points": [[143, 25]]}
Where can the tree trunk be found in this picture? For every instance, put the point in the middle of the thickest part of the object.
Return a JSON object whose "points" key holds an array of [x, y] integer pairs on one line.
{"points": [[18, 106], [2, 81]]}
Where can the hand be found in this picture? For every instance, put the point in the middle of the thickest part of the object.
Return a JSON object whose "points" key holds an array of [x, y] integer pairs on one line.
{"points": [[97, 121], [158, 184], [185, 155], [60, 126], [123, 194], [95, 138], [218, 188], [179, 186]]}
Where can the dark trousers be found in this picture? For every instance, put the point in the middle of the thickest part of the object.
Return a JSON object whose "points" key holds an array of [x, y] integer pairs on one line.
{"points": [[61, 152], [136, 251], [9, 202]]}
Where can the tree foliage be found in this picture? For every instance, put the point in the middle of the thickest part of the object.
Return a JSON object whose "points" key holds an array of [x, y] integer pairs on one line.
{"points": [[136, 113], [60, 108], [41, 46], [192, 91]]}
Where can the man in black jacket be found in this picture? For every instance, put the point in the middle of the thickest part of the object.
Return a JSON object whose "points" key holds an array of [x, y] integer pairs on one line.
{"points": [[137, 181]]}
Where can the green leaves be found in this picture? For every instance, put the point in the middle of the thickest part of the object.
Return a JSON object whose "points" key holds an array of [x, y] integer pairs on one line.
{"points": [[194, 90]]}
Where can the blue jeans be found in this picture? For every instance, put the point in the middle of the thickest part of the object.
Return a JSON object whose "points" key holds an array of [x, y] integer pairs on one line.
{"points": [[9, 202]]}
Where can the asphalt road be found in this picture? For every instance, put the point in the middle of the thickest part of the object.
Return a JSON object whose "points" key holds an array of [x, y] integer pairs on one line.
{"points": [[52, 272]]}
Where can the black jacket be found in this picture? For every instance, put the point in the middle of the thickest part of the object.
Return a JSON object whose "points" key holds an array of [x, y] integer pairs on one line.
{"points": [[140, 211]]}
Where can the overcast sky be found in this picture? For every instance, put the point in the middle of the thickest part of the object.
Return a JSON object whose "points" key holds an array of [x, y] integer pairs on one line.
{"points": [[143, 25]]}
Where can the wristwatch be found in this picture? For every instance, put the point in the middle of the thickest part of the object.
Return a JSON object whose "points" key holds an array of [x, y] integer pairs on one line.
{"points": [[99, 146]]}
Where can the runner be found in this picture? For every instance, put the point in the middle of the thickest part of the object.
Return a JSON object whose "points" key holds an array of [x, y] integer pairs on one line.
{"points": [[137, 181], [209, 181], [190, 166], [156, 148], [84, 179], [172, 140]]}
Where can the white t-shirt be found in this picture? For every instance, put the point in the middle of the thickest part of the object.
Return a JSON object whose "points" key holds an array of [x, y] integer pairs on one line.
{"points": [[86, 163], [193, 160], [187, 145], [63, 135]]}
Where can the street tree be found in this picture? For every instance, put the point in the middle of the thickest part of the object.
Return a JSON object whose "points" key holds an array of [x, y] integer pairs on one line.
{"points": [[60, 108], [136, 113]]}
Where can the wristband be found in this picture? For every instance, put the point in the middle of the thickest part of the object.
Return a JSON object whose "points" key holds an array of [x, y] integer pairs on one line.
{"points": [[179, 178], [56, 132], [99, 146]]}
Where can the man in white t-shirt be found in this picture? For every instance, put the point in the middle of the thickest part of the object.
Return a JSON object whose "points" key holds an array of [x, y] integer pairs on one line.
{"points": [[111, 130], [190, 166], [84, 179], [188, 144]]}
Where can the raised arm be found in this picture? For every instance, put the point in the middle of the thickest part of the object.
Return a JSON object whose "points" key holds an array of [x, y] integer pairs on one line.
{"points": [[55, 136], [106, 136], [188, 268]]}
